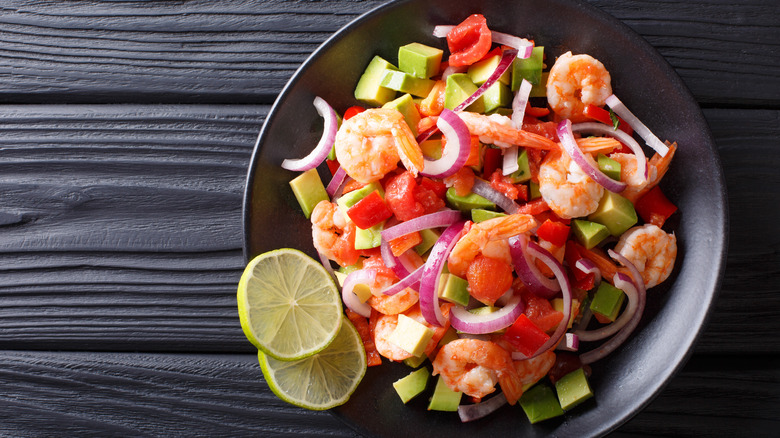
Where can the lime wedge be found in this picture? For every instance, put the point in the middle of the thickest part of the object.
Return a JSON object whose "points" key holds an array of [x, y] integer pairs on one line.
{"points": [[288, 304], [321, 381]]}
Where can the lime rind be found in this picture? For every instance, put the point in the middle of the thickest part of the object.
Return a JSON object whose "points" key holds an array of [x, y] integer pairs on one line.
{"points": [[321, 381], [288, 304]]}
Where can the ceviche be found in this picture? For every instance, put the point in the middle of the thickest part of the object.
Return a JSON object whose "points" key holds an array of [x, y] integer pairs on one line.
{"points": [[491, 219]]}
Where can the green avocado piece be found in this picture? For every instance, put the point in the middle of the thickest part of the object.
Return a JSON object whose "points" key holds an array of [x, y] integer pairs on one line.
{"points": [[458, 88], [607, 301], [480, 215], [308, 190], [429, 238], [588, 233], [497, 96], [444, 399], [410, 335], [523, 172], [369, 88], [454, 289], [415, 361], [406, 83], [573, 389], [529, 69], [533, 190], [540, 403], [540, 89], [614, 212], [431, 148], [405, 105], [468, 202], [480, 72], [370, 237], [609, 167], [419, 60], [410, 386], [353, 197]]}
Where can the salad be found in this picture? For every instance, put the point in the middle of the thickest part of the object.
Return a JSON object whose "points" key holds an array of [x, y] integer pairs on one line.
{"points": [[491, 219]]}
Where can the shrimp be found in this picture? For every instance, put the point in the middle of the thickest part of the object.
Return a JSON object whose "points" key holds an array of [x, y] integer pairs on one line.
{"points": [[369, 145], [651, 250], [629, 173], [385, 326], [576, 81], [532, 370], [393, 304], [656, 169], [332, 235], [481, 235], [474, 366], [566, 188], [498, 130]]}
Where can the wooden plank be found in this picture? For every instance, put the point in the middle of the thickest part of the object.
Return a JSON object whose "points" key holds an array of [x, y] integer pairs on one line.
{"points": [[133, 394], [122, 228], [241, 51]]}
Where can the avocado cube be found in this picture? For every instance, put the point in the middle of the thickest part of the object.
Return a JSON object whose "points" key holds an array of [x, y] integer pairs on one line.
{"points": [[529, 69], [369, 88], [497, 96], [419, 60], [458, 88], [410, 335], [608, 166], [588, 233], [448, 337], [353, 197], [370, 237], [480, 215], [308, 190], [540, 403], [405, 105], [444, 399], [557, 304], [454, 289], [540, 89], [607, 301], [350, 268], [415, 361], [429, 238], [614, 212], [410, 386], [533, 190], [480, 71], [431, 148], [573, 389], [406, 83], [363, 291], [468, 202], [523, 172]]}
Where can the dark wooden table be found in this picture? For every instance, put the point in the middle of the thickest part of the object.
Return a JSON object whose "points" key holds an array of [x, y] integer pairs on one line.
{"points": [[126, 129]]}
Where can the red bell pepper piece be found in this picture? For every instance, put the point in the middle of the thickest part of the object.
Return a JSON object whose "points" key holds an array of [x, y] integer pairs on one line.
{"points": [[654, 207], [469, 41], [602, 115], [554, 232], [369, 211], [353, 111], [524, 336], [491, 161], [333, 166]]}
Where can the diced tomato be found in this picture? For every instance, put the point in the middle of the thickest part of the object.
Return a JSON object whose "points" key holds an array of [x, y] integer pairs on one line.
{"points": [[462, 181], [491, 161], [524, 336], [407, 199], [469, 41], [364, 330], [376, 263], [541, 312], [369, 252], [602, 115], [404, 243], [353, 111], [333, 166], [654, 207], [429, 198], [489, 278], [522, 192], [534, 207], [503, 185], [369, 211], [437, 187], [545, 129], [553, 232]]}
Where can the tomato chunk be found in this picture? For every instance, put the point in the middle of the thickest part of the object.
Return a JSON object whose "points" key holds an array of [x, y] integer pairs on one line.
{"points": [[407, 199], [541, 312], [353, 111], [369, 211], [524, 336], [469, 41]]}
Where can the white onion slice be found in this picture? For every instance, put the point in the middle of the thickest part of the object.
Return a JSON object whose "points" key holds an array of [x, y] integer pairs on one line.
{"points": [[360, 276], [467, 322], [337, 182], [600, 128], [585, 162], [321, 151], [326, 264], [509, 164], [442, 30], [519, 102], [621, 110], [484, 189], [443, 218], [523, 46], [456, 150], [429, 283], [482, 409], [452, 69], [527, 271]]}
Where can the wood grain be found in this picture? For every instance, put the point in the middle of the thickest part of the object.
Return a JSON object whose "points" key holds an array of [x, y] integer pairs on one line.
{"points": [[240, 51]]}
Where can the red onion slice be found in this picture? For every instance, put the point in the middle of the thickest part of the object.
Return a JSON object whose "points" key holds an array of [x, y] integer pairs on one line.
{"points": [[620, 109], [484, 189], [321, 151], [443, 218], [337, 182], [519, 103], [571, 342], [456, 150], [523, 46], [412, 280], [360, 276], [391, 261], [526, 269], [585, 162], [482, 409], [467, 322], [563, 279], [600, 128], [429, 283]]}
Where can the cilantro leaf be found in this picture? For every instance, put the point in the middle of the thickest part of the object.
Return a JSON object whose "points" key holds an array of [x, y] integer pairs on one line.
{"points": [[614, 118]]}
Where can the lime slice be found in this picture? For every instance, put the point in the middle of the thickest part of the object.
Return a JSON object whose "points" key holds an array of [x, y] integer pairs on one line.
{"points": [[288, 304], [321, 381]]}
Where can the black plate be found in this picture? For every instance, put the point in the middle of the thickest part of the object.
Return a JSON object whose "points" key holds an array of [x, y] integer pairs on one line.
{"points": [[628, 379]]}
